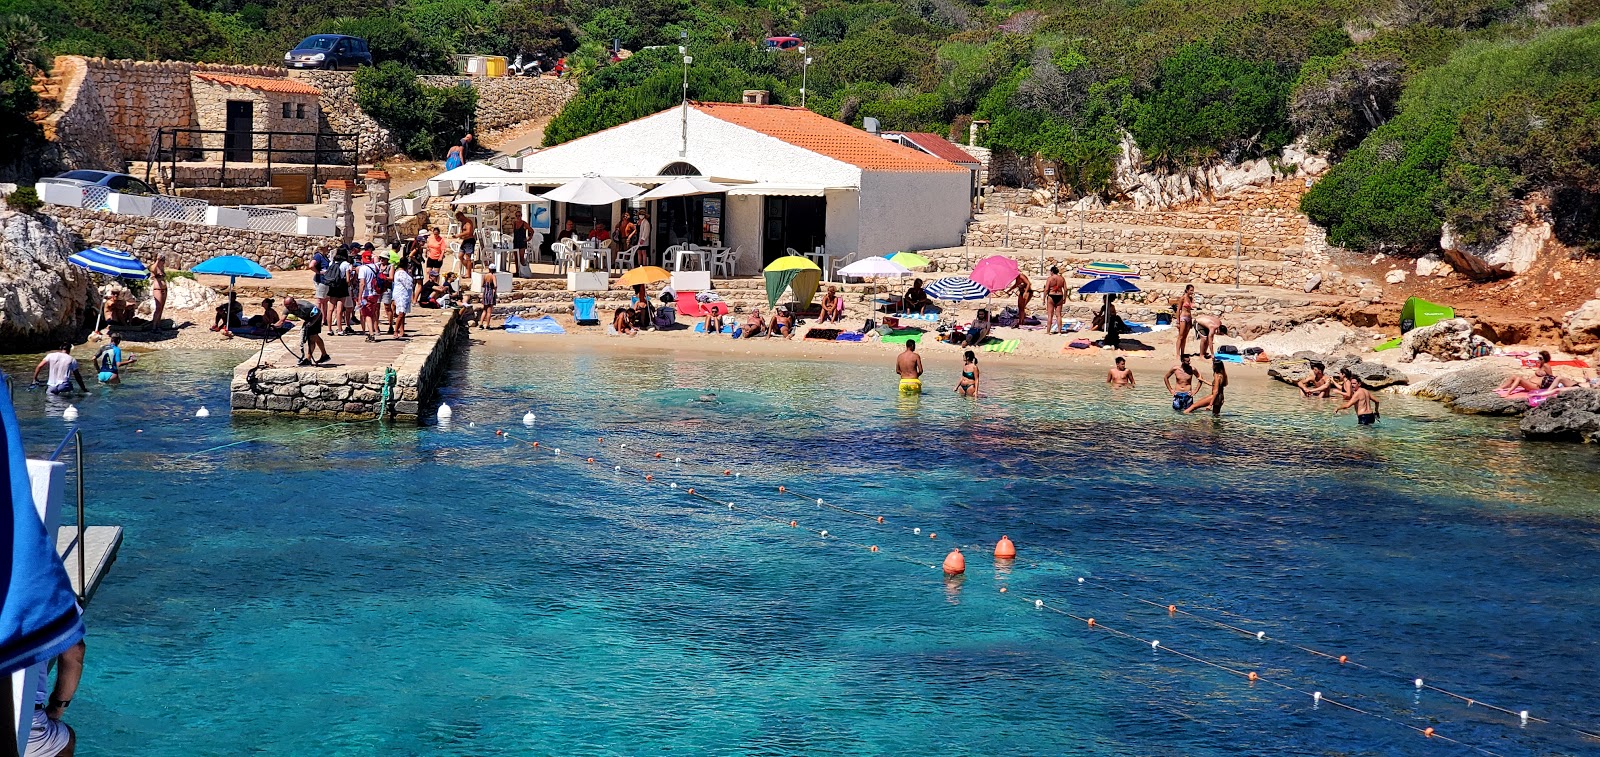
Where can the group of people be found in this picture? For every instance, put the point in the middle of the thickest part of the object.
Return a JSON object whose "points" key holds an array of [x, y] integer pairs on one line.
{"points": [[62, 371]]}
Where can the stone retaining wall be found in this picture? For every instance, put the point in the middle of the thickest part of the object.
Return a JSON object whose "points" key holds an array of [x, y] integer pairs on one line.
{"points": [[186, 244], [1136, 241], [350, 393], [232, 195]]}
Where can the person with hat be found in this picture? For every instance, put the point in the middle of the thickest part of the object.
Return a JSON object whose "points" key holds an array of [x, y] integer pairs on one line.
{"points": [[369, 294]]}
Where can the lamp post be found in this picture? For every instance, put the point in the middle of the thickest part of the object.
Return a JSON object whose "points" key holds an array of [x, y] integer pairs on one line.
{"points": [[683, 50], [805, 66]]}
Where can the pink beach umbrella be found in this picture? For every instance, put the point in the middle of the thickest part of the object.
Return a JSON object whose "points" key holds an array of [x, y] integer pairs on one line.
{"points": [[995, 272]]}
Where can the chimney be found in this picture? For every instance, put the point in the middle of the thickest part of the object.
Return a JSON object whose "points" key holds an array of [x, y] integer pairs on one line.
{"points": [[757, 97], [870, 124]]}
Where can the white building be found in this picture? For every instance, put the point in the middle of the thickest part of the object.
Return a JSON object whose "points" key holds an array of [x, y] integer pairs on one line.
{"points": [[801, 180]]}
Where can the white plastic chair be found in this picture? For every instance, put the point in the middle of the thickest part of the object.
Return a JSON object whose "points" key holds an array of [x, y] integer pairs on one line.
{"points": [[671, 253], [628, 258], [566, 257], [724, 260]]}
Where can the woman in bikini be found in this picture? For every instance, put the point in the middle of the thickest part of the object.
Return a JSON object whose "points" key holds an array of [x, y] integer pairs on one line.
{"points": [[1219, 381], [1185, 318], [967, 385], [1055, 291], [1024, 289], [158, 288], [1544, 377]]}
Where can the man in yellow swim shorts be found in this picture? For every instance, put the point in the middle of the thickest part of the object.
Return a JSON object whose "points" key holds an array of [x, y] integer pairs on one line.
{"points": [[909, 366]]}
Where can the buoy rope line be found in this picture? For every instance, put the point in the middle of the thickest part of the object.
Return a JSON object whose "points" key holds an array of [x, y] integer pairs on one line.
{"points": [[1171, 609], [1176, 609], [1317, 697]]}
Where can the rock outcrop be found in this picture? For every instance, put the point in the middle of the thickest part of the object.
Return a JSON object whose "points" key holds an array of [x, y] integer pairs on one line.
{"points": [[42, 296], [1446, 340], [1471, 390], [1572, 415], [1581, 327], [1297, 367]]}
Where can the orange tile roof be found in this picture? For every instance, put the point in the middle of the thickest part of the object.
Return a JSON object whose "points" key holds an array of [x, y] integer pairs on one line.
{"points": [[939, 146], [263, 83], [825, 136]]}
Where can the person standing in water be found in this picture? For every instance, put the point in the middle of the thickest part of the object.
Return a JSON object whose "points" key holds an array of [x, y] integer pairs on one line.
{"points": [[909, 367], [1361, 399], [1055, 294], [1180, 382], [1219, 381], [1120, 375], [967, 385]]}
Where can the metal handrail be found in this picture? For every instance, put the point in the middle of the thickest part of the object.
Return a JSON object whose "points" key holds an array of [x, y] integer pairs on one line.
{"points": [[76, 437]]}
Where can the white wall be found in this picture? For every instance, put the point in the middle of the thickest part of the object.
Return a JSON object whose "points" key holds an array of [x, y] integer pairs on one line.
{"points": [[912, 211], [741, 223], [844, 222], [716, 147]]}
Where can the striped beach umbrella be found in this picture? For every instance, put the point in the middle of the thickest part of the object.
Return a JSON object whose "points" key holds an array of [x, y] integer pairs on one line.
{"points": [[1117, 270], [956, 289], [110, 262]]}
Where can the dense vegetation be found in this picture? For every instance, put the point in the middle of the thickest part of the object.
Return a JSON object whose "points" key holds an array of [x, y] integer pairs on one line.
{"points": [[1422, 103], [422, 121]]}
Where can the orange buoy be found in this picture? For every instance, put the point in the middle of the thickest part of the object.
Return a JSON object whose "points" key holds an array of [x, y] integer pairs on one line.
{"points": [[591, 460], [649, 477], [1343, 659], [691, 491], [781, 490], [955, 563], [727, 473], [1004, 549], [792, 523], [658, 454], [874, 547], [1172, 609], [1091, 622], [933, 536], [535, 444], [880, 518], [1253, 676], [1002, 590], [602, 440], [1427, 732]]}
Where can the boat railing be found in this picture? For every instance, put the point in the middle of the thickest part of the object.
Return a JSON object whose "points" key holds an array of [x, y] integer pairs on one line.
{"points": [[75, 437]]}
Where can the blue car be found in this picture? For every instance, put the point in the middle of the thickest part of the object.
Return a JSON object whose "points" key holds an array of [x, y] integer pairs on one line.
{"points": [[332, 52]]}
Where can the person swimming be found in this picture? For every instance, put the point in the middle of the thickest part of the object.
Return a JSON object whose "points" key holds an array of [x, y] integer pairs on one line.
{"points": [[708, 397]]}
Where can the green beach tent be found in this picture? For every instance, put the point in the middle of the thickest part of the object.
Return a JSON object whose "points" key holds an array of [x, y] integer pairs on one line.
{"points": [[794, 273], [1415, 314]]}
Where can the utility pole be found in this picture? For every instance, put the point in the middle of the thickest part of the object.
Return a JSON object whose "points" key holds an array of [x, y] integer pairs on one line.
{"points": [[1238, 257]]}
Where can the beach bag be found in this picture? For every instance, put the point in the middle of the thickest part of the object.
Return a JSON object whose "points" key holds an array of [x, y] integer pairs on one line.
{"points": [[1227, 349], [666, 317]]}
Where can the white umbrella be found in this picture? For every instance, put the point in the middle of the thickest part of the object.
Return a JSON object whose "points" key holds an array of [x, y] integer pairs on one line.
{"points": [[876, 265], [593, 190], [684, 187], [481, 173], [499, 194]]}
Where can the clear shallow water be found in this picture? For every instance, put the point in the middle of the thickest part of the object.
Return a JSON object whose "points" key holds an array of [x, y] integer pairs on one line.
{"points": [[362, 590]]}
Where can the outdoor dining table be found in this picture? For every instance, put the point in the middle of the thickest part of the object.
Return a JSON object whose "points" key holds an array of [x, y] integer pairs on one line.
{"points": [[822, 258], [698, 254], [595, 252]]}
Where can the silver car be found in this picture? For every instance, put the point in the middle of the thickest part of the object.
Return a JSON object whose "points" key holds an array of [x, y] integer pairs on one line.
{"points": [[120, 183]]}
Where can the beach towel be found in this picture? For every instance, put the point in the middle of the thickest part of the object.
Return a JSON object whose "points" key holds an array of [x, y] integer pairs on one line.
{"points": [[917, 316], [1005, 347], [39, 617], [850, 336], [1078, 344], [1227, 358], [1570, 363], [901, 336], [545, 325], [700, 328], [828, 334]]}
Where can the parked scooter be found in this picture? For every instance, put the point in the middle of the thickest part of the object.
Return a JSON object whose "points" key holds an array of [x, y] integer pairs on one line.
{"points": [[531, 68]]}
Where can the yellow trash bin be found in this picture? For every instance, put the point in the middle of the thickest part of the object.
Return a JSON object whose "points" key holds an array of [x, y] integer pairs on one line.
{"points": [[496, 65]]}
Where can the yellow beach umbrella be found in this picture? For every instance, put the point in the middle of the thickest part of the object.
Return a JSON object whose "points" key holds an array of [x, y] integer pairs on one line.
{"points": [[792, 263], [645, 274]]}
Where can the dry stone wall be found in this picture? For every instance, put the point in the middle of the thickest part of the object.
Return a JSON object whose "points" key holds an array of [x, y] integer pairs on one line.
{"points": [[80, 125], [186, 244]]}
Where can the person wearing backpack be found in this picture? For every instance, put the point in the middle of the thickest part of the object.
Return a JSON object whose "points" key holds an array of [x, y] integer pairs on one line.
{"points": [[109, 361], [371, 299], [319, 263], [335, 277]]}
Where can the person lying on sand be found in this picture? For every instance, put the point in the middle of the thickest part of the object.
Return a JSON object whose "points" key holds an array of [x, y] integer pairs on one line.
{"points": [[782, 324], [754, 326]]}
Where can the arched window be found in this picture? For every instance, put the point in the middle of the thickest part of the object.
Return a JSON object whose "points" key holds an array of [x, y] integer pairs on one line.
{"points": [[679, 168]]}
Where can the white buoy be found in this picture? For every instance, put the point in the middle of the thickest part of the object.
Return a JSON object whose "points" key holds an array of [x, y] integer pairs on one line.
{"points": [[445, 411], [70, 414], [618, 469], [527, 419], [1261, 635], [1524, 716], [677, 459], [558, 450], [1080, 580], [1155, 644], [824, 533], [202, 412], [819, 501], [674, 486], [1038, 604], [917, 531], [472, 424], [1316, 697], [1419, 683]]}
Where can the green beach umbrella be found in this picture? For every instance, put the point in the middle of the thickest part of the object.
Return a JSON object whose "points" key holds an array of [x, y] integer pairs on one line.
{"points": [[792, 272], [909, 260]]}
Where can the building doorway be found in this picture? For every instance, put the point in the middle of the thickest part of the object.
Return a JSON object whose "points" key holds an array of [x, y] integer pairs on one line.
{"points": [[792, 222], [696, 219], [238, 137]]}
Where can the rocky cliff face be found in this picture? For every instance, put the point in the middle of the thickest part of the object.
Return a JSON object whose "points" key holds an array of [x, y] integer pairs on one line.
{"points": [[42, 296]]}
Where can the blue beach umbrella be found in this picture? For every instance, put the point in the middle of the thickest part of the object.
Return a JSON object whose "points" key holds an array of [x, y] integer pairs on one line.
{"points": [[957, 289], [1108, 285], [104, 260], [234, 267], [39, 615]]}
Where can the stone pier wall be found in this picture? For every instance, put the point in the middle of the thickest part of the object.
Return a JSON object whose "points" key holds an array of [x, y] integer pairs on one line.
{"points": [[353, 392]]}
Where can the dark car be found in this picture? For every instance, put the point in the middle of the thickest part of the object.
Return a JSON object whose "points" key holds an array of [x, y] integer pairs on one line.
{"points": [[116, 182], [329, 51]]}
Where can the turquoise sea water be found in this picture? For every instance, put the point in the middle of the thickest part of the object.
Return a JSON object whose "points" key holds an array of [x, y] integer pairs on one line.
{"points": [[371, 590]]}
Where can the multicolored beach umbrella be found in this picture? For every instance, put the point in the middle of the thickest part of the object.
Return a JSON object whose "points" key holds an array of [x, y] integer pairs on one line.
{"points": [[104, 260], [957, 289], [1116, 270], [793, 272], [1107, 285]]}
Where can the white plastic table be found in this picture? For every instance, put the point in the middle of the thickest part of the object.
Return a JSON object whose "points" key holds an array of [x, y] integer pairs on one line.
{"points": [[823, 260]]}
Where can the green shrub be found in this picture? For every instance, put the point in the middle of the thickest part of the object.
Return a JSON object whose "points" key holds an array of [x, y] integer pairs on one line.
{"points": [[423, 121], [25, 199], [1207, 105]]}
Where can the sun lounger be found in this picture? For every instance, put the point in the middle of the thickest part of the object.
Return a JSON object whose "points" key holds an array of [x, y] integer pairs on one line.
{"points": [[693, 308]]}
